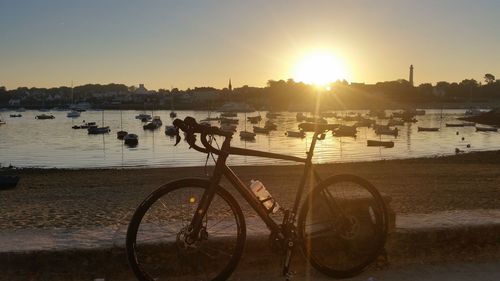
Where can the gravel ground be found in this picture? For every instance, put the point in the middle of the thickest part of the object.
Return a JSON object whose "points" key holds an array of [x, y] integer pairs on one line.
{"points": [[57, 198]]}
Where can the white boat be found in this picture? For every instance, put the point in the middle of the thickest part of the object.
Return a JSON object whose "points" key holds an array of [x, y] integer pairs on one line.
{"points": [[473, 112], [73, 114], [44, 116]]}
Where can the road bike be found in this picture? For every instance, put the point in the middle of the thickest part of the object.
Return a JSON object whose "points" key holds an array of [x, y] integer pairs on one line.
{"points": [[193, 228]]}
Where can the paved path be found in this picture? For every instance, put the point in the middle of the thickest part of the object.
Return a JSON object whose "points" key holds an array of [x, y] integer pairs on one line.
{"points": [[471, 271], [22, 240]]}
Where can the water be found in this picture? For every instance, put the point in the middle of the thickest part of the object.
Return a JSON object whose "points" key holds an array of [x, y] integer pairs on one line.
{"points": [[28, 142]]}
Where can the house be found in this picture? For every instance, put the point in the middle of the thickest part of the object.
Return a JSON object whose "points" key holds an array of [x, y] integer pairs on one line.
{"points": [[141, 90]]}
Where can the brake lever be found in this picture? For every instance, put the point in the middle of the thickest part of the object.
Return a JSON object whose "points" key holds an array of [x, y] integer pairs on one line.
{"points": [[191, 139]]}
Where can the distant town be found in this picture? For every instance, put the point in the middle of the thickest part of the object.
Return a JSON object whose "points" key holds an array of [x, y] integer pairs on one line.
{"points": [[277, 95]]}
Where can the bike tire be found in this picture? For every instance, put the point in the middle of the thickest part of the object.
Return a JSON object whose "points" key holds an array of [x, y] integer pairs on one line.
{"points": [[341, 246], [158, 255]]}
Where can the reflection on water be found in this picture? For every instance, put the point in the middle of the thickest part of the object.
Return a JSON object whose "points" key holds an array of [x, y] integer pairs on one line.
{"points": [[27, 142]]}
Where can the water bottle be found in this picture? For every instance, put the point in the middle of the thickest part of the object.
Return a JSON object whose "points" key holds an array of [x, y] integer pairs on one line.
{"points": [[264, 196]]}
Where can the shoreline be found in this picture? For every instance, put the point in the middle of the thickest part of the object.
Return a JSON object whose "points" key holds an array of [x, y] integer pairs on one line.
{"points": [[11, 169], [61, 198]]}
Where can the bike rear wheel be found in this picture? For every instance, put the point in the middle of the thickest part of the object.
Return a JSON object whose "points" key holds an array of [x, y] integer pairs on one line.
{"points": [[343, 225], [158, 247]]}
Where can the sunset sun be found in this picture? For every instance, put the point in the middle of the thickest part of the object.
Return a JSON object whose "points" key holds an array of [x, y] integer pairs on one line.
{"points": [[319, 68]]}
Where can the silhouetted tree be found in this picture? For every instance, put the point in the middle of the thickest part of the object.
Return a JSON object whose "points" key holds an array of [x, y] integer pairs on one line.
{"points": [[489, 78]]}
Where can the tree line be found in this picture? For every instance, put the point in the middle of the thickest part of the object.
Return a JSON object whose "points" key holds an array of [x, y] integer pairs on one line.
{"points": [[281, 94]]}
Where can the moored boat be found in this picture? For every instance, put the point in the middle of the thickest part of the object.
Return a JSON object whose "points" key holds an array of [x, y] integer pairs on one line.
{"points": [[154, 124], [486, 129], [270, 125], [254, 119], [260, 130], [44, 116], [94, 130], [295, 134], [143, 116], [15, 115], [121, 134], [228, 127], [428, 129], [454, 124], [272, 115], [345, 131], [247, 135], [229, 114], [228, 121], [170, 131], [387, 131], [131, 139], [73, 114], [387, 144], [395, 122]]}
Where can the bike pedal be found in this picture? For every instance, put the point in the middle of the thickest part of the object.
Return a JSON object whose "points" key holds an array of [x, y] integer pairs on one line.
{"points": [[382, 261], [289, 275]]}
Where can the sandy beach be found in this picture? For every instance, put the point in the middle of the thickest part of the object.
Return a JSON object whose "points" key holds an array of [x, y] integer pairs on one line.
{"points": [[58, 198]]}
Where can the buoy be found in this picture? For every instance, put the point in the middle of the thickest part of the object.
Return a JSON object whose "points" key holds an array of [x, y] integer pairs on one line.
{"points": [[463, 138], [457, 133], [468, 146]]}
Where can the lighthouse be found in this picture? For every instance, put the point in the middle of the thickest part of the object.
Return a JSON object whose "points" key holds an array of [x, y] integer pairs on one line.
{"points": [[411, 75]]}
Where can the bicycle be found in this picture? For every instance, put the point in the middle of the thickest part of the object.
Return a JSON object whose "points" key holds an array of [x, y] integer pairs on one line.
{"points": [[195, 227]]}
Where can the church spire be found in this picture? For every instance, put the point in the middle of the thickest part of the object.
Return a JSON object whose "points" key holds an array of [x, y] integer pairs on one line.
{"points": [[230, 87]]}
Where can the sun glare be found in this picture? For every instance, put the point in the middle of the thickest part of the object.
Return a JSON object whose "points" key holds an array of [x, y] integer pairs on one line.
{"points": [[320, 69]]}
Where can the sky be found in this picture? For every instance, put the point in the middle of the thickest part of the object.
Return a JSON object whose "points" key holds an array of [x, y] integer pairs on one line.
{"points": [[187, 44]]}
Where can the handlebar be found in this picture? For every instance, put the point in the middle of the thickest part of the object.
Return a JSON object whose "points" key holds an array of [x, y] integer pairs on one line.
{"points": [[191, 127]]}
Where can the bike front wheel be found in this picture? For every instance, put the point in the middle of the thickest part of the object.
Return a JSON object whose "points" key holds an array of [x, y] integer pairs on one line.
{"points": [[343, 225], [158, 243]]}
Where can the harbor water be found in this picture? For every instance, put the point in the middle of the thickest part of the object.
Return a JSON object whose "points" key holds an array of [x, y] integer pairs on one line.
{"points": [[52, 143]]}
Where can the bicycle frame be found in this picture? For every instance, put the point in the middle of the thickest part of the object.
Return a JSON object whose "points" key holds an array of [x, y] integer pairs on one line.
{"points": [[221, 169]]}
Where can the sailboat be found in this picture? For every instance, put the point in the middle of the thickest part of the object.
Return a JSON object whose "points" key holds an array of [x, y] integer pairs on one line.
{"points": [[73, 113], [121, 134], [244, 135], [94, 130], [172, 112]]}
